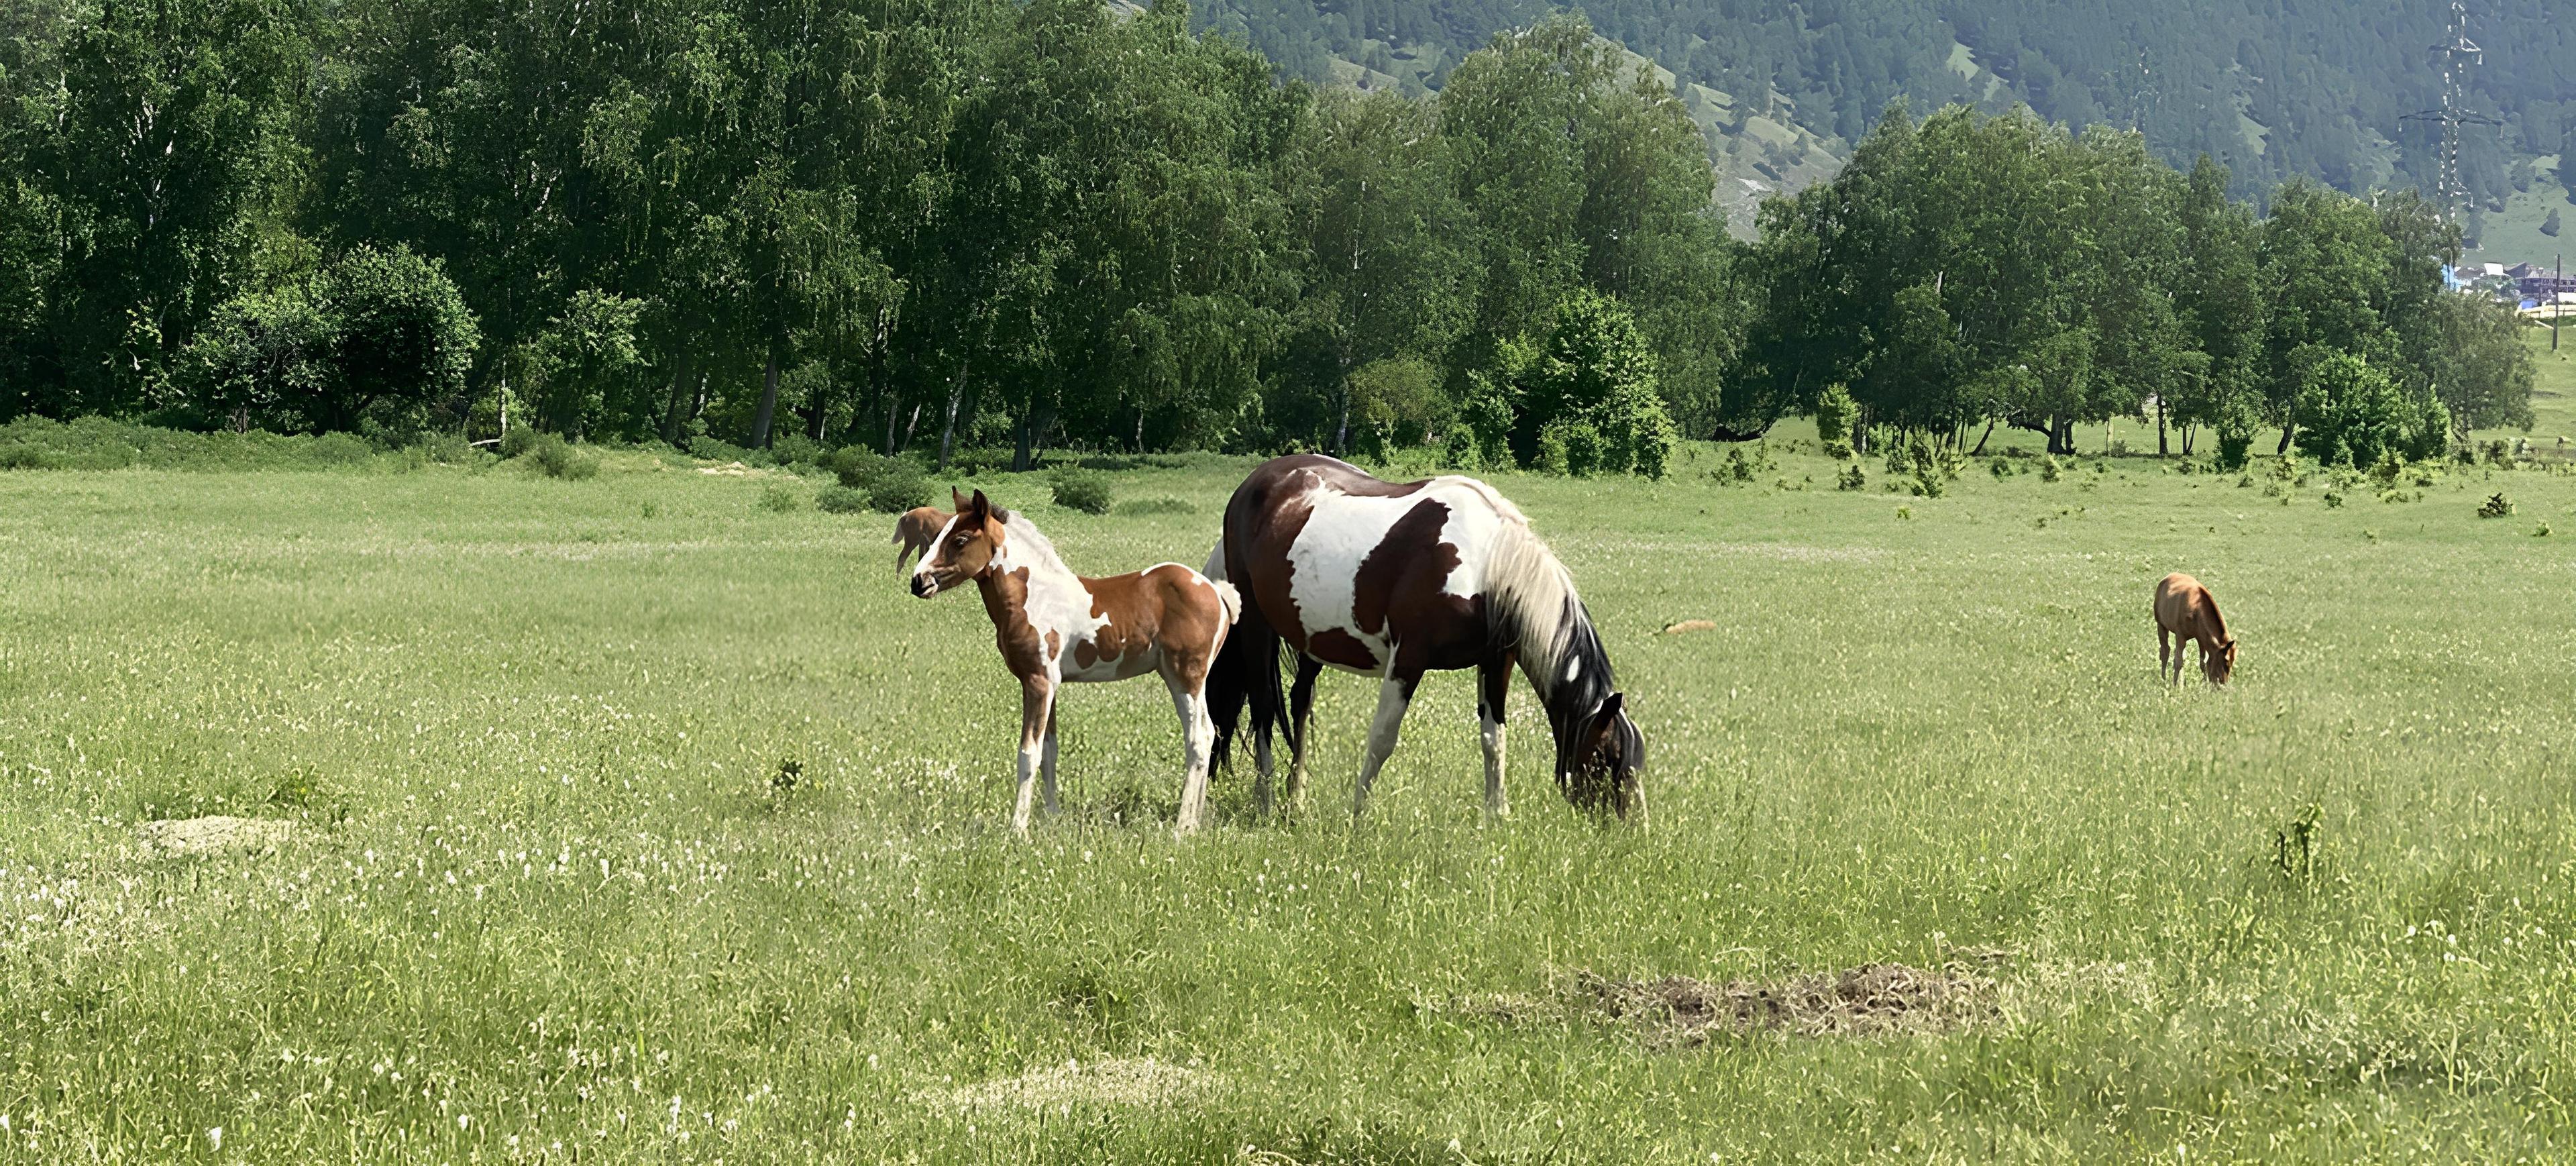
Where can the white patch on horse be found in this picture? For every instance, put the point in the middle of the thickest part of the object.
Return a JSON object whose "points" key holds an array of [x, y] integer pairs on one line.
{"points": [[1341, 531], [1573, 670], [1057, 601], [938, 545]]}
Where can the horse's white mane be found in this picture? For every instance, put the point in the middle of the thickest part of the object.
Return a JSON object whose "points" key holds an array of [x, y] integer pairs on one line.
{"points": [[1022, 537], [1532, 590]]}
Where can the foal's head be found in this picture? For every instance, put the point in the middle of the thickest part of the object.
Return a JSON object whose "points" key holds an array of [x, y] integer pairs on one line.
{"points": [[2220, 666], [1603, 763], [964, 548]]}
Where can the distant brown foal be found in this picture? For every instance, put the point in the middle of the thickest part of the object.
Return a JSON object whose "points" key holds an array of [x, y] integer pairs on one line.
{"points": [[1055, 627], [915, 531], [2185, 613]]}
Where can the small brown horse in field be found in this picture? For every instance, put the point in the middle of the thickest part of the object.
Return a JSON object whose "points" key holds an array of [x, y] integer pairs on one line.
{"points": [[2186, 613], [915, 531], [1056, 627]]}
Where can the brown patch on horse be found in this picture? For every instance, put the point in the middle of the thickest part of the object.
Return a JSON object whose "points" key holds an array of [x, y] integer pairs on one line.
{"points": [[1413, 539], [2186, 613], [1339, 648]]}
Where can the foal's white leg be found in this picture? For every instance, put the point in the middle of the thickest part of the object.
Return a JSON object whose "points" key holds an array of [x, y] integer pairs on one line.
{"points": [[1198, 736], [1393, 696], [1046, 760], [1037, 712]]}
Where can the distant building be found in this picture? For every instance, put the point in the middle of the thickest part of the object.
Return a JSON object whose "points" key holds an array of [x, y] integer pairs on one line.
{"points": [[2545, 288]]}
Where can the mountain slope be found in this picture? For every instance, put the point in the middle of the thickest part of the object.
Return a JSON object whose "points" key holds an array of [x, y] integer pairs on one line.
{"points": [[2275, 91]]}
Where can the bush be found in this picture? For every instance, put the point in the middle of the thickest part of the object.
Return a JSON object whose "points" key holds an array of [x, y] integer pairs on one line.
{"points": [[518, 441], [890, 484], [2500, 454], [1838, 450], [1834, 414], [778, 499], [1083, 490], [898, 487], [2349, 411], [556, 458], [2496, 506], [1157, 506], [841, 500], [2049, 470], [1852, 478], [373, 338], [714, 450]]}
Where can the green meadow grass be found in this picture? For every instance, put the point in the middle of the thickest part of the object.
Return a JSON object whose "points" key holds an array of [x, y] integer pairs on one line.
{"points": [[547, 900]]}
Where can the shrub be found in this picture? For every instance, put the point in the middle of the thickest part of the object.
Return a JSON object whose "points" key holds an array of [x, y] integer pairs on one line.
{"points": [[2003, 469], [1581, 400], [1156, 506], [2496, 506], [899, 486], [1082, 490], [556, 458], [2500, 454], [2334, 498], [1838, 450], [778, 499], [518, 441], [841, 500], [2349, 410], [1834, 413], [584, 371], [2049, 470], [714, 450], [1852, 478]]}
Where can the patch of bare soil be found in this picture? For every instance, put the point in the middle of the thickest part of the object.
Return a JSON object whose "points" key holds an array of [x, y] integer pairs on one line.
{"points": [[1124, 1081], [214, 834], [1685, 627], [1869, 1000]]}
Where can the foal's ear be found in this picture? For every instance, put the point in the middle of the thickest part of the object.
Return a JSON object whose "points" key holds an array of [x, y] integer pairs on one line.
{"points": [[958, 499], [981, 507]]}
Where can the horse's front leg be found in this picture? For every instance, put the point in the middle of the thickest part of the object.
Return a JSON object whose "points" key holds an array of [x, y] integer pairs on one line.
{"points": [[2164, 652], [1493, 683], [1046, 759], [1394, 695], [1037, 713]]}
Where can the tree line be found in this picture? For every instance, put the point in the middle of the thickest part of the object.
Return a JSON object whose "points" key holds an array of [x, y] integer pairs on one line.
{"points": [[1970, 270], [924, 225]]}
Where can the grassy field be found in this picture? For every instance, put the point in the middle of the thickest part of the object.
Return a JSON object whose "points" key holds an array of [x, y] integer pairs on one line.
{"points": [[544, 898]]}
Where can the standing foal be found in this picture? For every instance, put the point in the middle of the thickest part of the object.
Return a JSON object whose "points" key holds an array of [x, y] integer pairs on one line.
{"points": [[915, 531], [2185, 613], [1055, 626]]}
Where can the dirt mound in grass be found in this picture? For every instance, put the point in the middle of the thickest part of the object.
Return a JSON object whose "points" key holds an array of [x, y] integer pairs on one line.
{"points": [[1124, 1081], [210, 835], [1868, 1000]]}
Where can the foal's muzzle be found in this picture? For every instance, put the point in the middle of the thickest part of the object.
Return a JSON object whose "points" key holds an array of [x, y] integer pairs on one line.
{"points": [[923, 586]]}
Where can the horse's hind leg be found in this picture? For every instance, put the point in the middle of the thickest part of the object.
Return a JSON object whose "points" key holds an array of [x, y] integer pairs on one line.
{"points": [[1301, 717], [1198, 737], [1493, 683], [1394, 695], [2164, 654]]}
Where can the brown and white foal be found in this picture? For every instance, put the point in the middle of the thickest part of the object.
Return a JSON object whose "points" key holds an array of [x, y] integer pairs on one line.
{"points": [[1055, 627], [2185, 613]]}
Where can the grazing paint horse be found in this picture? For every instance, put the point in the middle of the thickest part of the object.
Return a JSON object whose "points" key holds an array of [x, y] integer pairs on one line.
{"points": [[916, 530], [1391, 581], [2185, 612], [1055, 626]]}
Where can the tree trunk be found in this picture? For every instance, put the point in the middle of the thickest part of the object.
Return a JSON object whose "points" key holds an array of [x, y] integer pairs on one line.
{"points": [[1980, 451], [679, 398], [912, 424], [2161, 448], [948, 430], [768, 402], [1020, 442], [2286, 430]]}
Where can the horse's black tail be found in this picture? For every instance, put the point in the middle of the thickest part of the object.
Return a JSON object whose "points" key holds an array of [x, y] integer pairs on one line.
{"points": [[1246, 673]]}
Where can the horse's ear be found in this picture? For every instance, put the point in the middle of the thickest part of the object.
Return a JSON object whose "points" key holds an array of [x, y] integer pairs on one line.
{"points": [[958, 499], [1612, 706], [982, 507]]}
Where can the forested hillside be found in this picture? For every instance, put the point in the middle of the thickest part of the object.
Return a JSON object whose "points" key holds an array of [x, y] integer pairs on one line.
{"points": [[2270, 90]]}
